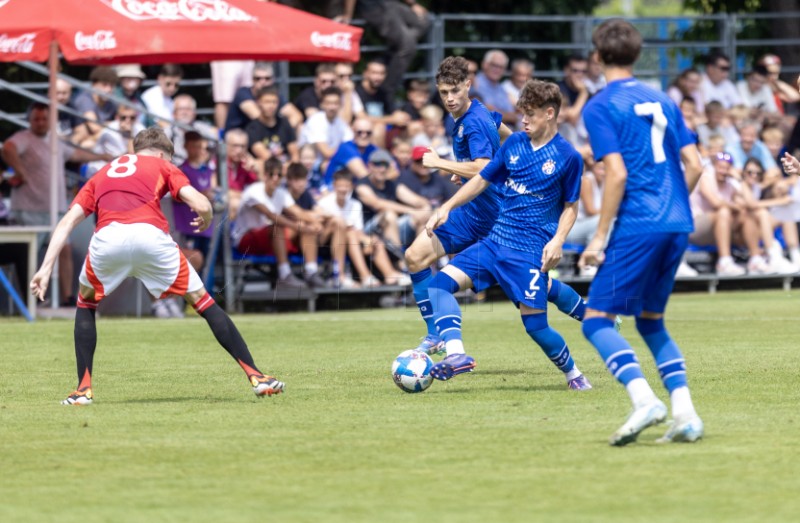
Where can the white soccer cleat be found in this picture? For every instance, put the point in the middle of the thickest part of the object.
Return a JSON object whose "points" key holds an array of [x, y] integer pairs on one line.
{"points": [[266, 385], [686, 431], [79, 397], [640, 419]]}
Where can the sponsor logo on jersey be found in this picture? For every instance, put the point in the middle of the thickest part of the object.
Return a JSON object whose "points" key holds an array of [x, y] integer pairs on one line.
{"points": [[549, 167], [339, 40], [461, 131], [174, 10], [17, 44], [100, 40]]}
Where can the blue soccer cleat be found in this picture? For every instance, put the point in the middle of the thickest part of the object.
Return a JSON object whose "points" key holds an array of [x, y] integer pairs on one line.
{"points": [[579, 383], [684, 431], [640, 419], [431, 344], [452, 365]]}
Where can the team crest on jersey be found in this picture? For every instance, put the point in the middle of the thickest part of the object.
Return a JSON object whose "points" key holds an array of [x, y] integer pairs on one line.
{"points": [[513, 159], [461, 131], [549, 167]]}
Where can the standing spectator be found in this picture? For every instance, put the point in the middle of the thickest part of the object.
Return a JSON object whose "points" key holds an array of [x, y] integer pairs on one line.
{"points": [[715, 84], [756, 93], [271, 135], [687, 85], [95, 107], [783, 92], [325, 130], [130, 78], [379, 102], [158, 99], [185, 115], [521, 72], [353, 155], [428, 183], [573, 88], [309, 100], [244, 109], [717, 123], [400, 24], [489, 89], [242, 168], [595, 79], [227, 77], [117, 138], [28, 153]]}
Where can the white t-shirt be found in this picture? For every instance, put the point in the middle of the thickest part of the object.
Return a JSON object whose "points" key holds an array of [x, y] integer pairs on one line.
{"points": [[352, 212], [725, 192], [249, 218], [724, 92], [157, 103], [762, 99], [318, 129], [111, 142]]}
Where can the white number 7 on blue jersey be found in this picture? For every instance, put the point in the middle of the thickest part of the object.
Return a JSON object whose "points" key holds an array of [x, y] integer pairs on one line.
{"points": [[658, 127]]}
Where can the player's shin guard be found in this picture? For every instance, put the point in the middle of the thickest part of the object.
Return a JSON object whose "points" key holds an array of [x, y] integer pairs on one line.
{"points": [[446, 313], [613, 348], [566, 299], [549, 340], [669, 360], [85, 341], [420, 282], [226, 333]]}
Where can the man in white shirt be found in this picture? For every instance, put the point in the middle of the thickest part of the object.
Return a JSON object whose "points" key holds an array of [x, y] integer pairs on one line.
{"points": [[716, 85], [158, 99], [325, 130], [756, 92], [116, 139]]}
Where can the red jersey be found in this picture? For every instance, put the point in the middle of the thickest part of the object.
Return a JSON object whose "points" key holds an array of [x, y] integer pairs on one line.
{"points": [[129, 190]]}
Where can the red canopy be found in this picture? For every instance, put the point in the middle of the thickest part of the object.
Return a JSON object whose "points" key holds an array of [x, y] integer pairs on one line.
{"points": [[158, 31]]}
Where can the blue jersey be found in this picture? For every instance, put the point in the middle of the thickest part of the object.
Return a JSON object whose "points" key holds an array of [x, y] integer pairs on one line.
{"points": [[647, 129], [475, 136], [537, 183]]}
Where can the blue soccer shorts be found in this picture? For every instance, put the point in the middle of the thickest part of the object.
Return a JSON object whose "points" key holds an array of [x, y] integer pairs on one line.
{"points": [[461, 231], [638, 273]]}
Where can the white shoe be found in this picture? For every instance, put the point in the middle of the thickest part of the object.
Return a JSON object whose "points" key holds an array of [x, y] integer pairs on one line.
{"points": [[686, 431], [729, 268], [640, 419], [758, 265], [685, 271], [589, 271], [781, 265]]}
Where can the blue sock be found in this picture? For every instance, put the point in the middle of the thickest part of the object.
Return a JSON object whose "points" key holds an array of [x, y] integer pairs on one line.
{"points": [[669, 360], [566, 299], [613, 348], [549, 340], [446, 314], [420, 282]]}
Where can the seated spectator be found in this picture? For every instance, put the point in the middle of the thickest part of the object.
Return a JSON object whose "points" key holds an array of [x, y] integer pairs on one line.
{"points": [[309, 101], [425, 182], [756, 94], [521, 72], [749, 146], [341, 204], [185, 115], [130, 78], [325, 130], [390, 209], [418, 95], [783, 93], [573, 89], [117, 138], [351, 102], [716, 145], [95, 107], [780, 210], [433, 134], [722, 218], [717, 123], [689, 113], [687, 85], [595, 79], [261, 225], [243, 108], [378, 103], [353, 155], [159, 99], [66, 122], [591, 200], [401, 152], [227, 77], [775, 140], [242, 168], [715, 83], [271, 135], [316, 178], [489, 89]]}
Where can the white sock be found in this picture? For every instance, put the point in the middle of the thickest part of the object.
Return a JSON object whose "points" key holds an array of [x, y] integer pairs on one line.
{"points": [[640, 392], [574, 373], [284, 270], [454, 347], [682, 406], [775, 251], [311, 268]]}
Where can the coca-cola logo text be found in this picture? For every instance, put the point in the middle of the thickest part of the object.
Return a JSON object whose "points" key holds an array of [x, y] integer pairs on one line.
{"points": [[97, 41], [172, 10], [17, 44], [339, 40]]}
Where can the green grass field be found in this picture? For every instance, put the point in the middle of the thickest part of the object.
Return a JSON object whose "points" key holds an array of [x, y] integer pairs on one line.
{"points": [[176, 434]]}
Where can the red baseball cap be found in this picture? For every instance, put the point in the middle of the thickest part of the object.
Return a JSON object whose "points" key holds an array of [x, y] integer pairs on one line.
{"points": [[418, 152]]}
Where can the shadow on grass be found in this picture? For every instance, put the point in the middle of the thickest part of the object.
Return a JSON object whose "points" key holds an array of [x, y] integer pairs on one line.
{"points": [[186, 399]]}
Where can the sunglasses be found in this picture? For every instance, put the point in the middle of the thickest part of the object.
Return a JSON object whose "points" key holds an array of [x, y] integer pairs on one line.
{"points": [[576, 71], [127, 118], [262, 78], [363, 133], [380, 164], [724, 67], [753, 172]]}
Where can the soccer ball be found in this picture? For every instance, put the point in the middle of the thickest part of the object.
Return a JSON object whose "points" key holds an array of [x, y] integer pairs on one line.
{"points": [[411, 371]]}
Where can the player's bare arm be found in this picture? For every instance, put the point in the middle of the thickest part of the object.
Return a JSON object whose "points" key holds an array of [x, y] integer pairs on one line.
{"points": [[200, 205], [552, 252], [463, 196], [65, 226], [616, 175], [432, 160], [693, 168]]}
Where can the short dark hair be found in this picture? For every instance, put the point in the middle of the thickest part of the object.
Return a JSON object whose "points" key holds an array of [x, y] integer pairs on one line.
{"points": [[38, 106], [343, 174], [760, 69], [325, 67], [171, 70], [296, 171], [271, 165], [375, 60], [328, 91], [103, 74], [419, 84], [153, 138], [537, 94], [267, 90], [452, 71], [715, 56], [618, 42], [574, 57], [192, 136]]}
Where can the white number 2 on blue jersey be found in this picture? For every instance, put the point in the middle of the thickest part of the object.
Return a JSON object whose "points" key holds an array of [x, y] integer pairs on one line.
{"points": [[658, 127]]}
